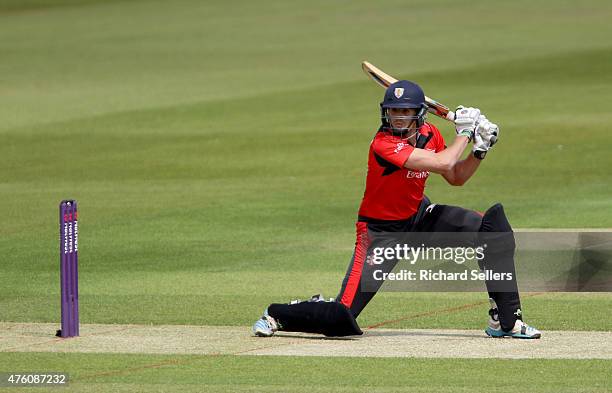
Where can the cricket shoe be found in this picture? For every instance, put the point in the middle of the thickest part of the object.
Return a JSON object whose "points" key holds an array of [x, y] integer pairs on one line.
{"points": [[265, 326], [520, 330]]}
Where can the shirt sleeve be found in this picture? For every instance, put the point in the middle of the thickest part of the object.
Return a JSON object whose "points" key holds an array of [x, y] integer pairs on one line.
{"points": [[395, 152]]}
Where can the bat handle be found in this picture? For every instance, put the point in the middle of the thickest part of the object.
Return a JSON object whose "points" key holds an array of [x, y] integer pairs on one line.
{"points": [[441, 111]]}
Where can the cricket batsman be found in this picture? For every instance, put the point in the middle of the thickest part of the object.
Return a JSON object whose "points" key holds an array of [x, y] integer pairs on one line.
{"points": [[403, 153]]}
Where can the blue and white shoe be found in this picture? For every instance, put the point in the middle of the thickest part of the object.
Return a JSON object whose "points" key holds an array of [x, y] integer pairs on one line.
{"points": [[265, 326], [520, 330]]}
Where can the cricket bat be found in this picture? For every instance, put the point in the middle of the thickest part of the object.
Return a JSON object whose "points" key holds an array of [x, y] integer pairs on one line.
{"points": [[384, 80]]}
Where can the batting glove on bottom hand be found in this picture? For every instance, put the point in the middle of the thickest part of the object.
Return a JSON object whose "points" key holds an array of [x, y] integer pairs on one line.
{"points": [[485, 136], [480, 148], [465, 121]]}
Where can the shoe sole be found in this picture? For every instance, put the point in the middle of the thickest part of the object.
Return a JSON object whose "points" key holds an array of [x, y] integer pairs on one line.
{"points": [[260, 333], [502, 334]]}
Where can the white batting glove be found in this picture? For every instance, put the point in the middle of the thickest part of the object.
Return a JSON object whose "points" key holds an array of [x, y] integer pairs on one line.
{"points": [[485, 136], [465, 121], [480, 148], [489, 131]]}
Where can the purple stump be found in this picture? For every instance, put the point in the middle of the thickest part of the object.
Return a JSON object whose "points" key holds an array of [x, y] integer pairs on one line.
{"points": [[69, 273]]}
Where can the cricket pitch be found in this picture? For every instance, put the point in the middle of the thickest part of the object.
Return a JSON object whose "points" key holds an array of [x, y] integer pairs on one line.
{"points": [[232, 340]]}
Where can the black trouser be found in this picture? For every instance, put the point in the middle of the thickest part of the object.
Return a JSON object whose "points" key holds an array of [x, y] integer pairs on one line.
{"points": [[429, 218]]}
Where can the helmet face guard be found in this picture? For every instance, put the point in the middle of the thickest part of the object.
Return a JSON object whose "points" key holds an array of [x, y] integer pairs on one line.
{"points": [[415, 122], [404, 95]]}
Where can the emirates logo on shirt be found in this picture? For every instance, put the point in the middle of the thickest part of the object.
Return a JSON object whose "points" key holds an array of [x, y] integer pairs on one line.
{"points": [[417, 174]]}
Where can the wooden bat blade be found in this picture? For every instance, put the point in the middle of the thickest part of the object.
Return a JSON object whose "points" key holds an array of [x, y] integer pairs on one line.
{"points": [[384, 80], [377, 75]]}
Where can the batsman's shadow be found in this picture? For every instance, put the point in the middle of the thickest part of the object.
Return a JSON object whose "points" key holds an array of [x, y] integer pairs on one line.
{"points": [[382, 333], [392, 333], [306, 336]]}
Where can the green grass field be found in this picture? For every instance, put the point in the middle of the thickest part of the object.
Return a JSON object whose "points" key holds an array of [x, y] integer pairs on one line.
{"points": [[129, 373], [218, 154]]}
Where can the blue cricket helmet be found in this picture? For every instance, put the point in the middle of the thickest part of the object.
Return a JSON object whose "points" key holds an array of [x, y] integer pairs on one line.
{"points": [[403, 94]]}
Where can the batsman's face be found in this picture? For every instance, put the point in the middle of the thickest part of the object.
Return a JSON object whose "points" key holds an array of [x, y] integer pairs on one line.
{"points": [[401, 118]]}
